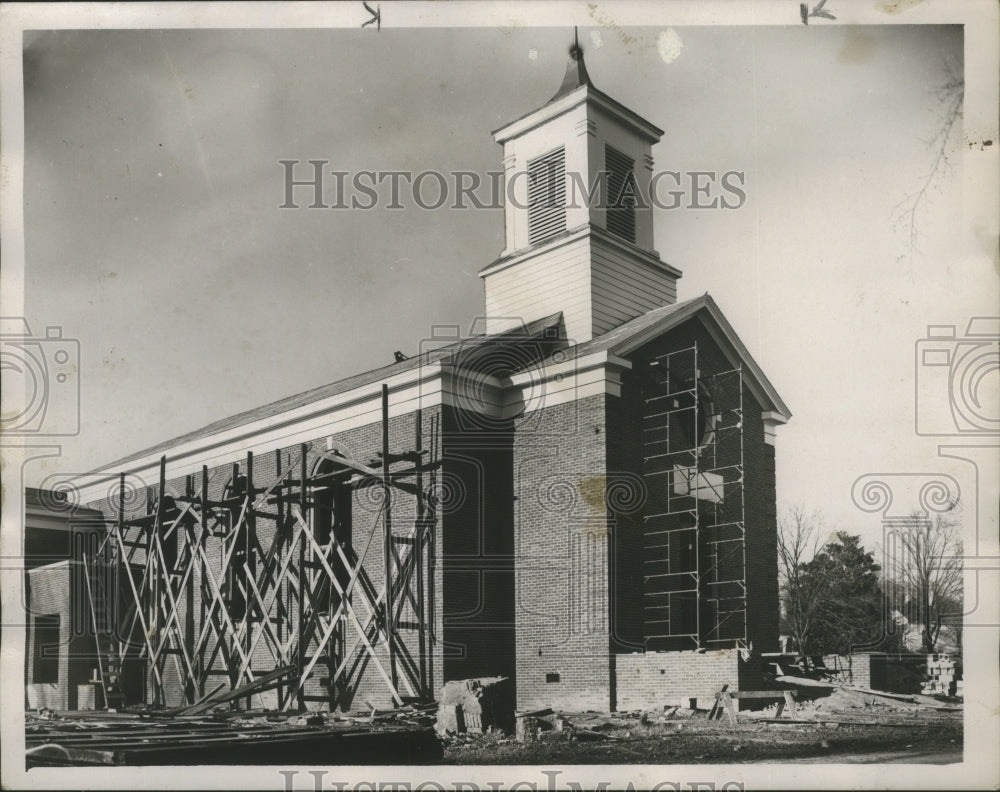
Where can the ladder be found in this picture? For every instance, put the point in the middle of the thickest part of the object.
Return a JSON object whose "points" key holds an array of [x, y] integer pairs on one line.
{"points": [[106, 644]]}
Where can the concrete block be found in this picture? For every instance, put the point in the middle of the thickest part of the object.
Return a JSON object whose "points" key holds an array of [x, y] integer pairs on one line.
{"points": [[487, 702]]}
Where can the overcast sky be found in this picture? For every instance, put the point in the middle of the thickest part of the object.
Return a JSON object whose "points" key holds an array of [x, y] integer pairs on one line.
{"points": [[153, 233]]}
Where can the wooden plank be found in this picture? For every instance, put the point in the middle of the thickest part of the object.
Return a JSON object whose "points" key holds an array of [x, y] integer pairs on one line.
{"points": [[790, 701], [718, 697], [727, 701], [243, 690], [387, 547], [924, 701], [820, 721], [369, 472], [201, 700], [762, 694]]}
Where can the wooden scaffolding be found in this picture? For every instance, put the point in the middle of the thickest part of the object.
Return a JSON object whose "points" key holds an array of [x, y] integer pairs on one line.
{"points": [[271, 582]]}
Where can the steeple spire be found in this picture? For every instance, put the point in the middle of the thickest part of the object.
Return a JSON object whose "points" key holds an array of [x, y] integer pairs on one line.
{"points": [[576, 70]]}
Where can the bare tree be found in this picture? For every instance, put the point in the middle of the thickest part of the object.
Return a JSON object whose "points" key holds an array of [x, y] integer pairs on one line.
{"points": [[798, 542], [925, 561], [950, 96]]}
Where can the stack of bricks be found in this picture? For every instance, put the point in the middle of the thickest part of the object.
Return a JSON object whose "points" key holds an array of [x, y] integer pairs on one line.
{"points": [[940, 676]]}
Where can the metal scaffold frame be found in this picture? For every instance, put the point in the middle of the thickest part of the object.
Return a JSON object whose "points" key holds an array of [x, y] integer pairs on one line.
{"points": [[694, 560], [206, 596]]}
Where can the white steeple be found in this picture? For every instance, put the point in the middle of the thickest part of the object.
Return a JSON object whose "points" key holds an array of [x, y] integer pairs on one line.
{"points": [[579, 231]]}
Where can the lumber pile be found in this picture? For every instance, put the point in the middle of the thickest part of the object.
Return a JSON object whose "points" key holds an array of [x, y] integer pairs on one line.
{"points": [[912, 699]]}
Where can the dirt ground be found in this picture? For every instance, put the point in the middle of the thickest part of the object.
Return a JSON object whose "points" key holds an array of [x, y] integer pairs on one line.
{"points": [[864, 729], [715, 743]]}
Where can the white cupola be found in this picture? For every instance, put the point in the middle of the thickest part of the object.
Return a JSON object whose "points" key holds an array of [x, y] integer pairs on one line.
{"points": [[579, 230]]}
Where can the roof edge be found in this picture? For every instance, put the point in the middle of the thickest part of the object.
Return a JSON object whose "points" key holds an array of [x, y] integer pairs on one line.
{"points": [[705, 306]]}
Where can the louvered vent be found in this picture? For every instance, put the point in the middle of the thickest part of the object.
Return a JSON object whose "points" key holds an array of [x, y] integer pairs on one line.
{"points": [[621, 194], [547, 195]]}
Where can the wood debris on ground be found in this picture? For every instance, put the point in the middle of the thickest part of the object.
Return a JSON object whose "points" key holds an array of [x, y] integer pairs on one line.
{"points": [[401, 736]]}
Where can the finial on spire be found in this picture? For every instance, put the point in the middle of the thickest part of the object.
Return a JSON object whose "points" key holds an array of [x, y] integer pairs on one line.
{"points": [[576, 71]]}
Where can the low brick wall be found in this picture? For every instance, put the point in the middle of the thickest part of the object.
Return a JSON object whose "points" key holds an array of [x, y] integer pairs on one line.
{"points": [[864, 669], [655, 679]]}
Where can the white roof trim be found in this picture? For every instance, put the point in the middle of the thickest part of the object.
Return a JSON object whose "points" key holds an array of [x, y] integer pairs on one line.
{"points": [[706, 309]]}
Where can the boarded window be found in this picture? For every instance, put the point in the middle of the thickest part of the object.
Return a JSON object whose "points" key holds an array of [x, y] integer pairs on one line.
{"points": [[621, 194], [45, 668], [547, 195]]}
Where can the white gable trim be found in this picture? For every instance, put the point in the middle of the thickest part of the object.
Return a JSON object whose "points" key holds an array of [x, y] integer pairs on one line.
{"points": [[707, 311]]}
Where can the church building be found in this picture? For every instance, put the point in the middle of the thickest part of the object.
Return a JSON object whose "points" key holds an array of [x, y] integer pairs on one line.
{"points": [[579, 496]]}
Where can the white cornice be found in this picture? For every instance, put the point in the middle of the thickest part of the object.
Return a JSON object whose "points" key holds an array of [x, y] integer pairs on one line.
{"points": [[583, 94], [585, 231]]}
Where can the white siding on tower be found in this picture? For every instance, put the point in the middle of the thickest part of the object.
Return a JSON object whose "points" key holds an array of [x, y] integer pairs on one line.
{"points": [[553, 280], [596, 284], [623, 287]]}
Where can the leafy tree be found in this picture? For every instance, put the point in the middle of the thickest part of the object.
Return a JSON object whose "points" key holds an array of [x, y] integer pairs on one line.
{"points": [[832, 598], [848, 613]]}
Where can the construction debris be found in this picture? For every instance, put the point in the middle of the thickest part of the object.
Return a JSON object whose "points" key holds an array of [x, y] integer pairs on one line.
{"points": [[215, 698], [477, 705], [130, 739], [923, 701]]}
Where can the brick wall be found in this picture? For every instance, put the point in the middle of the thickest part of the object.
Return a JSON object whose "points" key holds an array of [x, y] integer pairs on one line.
{"points": [[863, 669], [562, 545], [657, 679], [645, 680], [761, 532], [536, 570], [627, 501]]}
